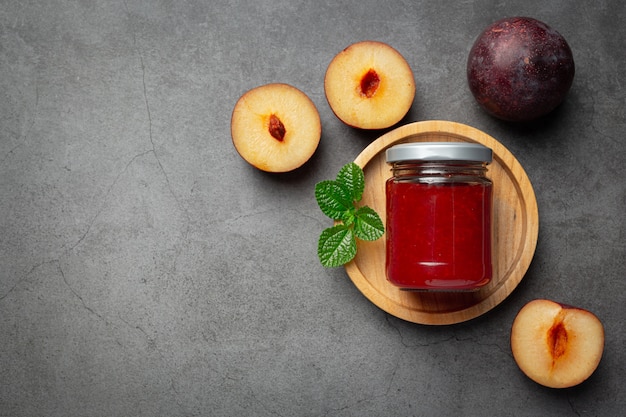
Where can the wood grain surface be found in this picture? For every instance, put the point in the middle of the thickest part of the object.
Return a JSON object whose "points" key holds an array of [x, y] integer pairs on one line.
{"points": [[516, 227]]}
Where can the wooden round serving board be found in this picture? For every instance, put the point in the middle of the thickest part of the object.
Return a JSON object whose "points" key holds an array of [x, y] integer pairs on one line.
{"points": [[516, 227]]}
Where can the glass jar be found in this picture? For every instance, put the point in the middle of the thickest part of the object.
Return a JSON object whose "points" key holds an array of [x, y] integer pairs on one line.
{"points": [[439, 216]]}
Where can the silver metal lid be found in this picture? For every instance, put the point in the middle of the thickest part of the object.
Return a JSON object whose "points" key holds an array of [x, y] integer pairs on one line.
{"points": [[439, 151]]}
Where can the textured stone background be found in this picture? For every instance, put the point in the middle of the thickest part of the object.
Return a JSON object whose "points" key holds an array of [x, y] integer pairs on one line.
{"points": [[147, 270]]}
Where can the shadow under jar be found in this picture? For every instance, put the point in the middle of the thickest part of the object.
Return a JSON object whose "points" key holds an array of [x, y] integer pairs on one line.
{"points": [[439, 216]]}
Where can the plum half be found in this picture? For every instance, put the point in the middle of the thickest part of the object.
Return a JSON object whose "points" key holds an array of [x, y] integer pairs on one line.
{"points": [[520, 69], [275, 127], [369, 85], [556, 345]]}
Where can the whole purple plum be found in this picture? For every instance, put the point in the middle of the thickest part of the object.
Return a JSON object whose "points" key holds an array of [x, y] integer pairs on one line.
{"points": [[520, 69]]}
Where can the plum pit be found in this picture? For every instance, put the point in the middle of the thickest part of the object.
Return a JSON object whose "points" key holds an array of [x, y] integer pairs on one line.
{"points": [[557, 340], [277, 128], [370, 83]]}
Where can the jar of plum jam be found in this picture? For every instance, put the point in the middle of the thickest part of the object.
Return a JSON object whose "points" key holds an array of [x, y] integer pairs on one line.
{"points": [[439, 216]]}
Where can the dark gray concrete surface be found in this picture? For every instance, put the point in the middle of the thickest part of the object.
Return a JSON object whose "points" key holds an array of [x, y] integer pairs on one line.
{"points": [[147, 270]]}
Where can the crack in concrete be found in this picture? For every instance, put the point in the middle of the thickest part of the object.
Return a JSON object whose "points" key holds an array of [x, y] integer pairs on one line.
{"points": [[388, 318], [57, 263], [22, 278], [572, 406], [153, 148], [150, 340], [105, 199], [454, 337], [76, 294]]}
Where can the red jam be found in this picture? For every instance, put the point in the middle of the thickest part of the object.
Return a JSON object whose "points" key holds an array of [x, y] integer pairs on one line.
{"points": [[439, 218], [439, 236]]}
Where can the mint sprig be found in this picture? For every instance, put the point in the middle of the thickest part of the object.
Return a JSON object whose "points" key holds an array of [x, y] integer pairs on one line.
{"points": [[337, 199]]}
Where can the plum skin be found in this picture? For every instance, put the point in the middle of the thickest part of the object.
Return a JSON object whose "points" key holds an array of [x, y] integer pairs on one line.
{"points": [[520, 69]]}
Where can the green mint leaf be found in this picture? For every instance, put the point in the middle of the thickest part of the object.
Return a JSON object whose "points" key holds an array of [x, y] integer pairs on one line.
{"points": [[334, 199], [336, 246], [367, 224], [352, 177], [349, 217]]}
